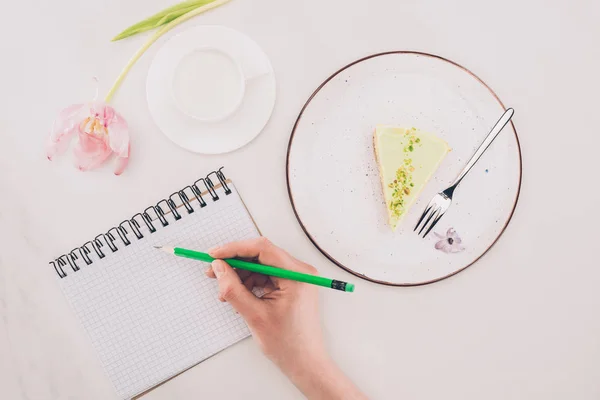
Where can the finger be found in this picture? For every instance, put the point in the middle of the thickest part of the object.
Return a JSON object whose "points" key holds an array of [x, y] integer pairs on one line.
{"points": [[250, 282], [269, 287], [243, 274], [259, 248], [262, 249], [210, 273], [261, 280], [268, 291], [255, 280], [233, 291]]}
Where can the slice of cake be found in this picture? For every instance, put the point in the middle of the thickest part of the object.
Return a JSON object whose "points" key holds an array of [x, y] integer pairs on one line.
{"points": [[407, 158]]}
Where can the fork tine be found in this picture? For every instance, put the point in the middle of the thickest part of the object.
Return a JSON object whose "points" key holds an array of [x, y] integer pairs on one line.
{"points": [[429, 218], [427, 209], [435, 221]]}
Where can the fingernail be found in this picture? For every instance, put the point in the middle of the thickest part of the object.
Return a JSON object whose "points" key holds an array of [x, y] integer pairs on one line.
{"points": [[207, 271], [217, 268], [213, 249]]}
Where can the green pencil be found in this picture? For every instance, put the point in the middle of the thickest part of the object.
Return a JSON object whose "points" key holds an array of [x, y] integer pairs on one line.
{"points": [[263, 269]]}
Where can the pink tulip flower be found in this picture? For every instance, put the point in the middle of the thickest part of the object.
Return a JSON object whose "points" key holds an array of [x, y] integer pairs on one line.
{"points": [[100, 132]]}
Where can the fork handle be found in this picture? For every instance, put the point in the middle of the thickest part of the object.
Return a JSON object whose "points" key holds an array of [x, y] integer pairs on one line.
{"points": [[483, 147]]}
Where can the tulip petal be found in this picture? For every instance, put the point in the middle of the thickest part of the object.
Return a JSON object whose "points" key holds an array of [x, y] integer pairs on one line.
{"points": [[108, 114], [96, 109], [54, 148], [122, 162], [66, 120], [90, 152], [118, 135], [63, 128]]}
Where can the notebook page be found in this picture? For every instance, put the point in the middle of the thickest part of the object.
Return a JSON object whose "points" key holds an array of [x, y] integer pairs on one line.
{"points": [[151, 315]]}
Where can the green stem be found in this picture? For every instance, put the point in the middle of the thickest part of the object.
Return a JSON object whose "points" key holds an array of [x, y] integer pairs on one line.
{"points": [[153, 39]]}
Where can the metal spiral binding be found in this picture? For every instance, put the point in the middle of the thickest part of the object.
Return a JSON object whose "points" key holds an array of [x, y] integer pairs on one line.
{"points": [[132, 227]]}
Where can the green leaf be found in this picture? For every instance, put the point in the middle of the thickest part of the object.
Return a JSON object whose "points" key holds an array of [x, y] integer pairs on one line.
{"points": [[161, 18]]}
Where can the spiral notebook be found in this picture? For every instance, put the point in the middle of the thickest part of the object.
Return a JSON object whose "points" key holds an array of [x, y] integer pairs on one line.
{"points": [[151, 315]]}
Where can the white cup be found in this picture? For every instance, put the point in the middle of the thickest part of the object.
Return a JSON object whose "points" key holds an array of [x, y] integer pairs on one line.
{"points": [[208, 84]]}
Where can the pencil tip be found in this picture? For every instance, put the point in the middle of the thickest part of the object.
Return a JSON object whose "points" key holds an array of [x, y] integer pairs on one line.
{"points": [[166, 249]]}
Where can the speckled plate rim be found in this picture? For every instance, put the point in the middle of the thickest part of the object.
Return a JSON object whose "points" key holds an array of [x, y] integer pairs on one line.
{"points": [[289, 148]]}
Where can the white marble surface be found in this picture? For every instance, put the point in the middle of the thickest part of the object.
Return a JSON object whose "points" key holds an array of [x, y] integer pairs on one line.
{"points": [[521, 324]]}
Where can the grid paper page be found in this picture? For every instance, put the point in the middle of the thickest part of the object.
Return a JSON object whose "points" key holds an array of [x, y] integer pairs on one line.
{"points": [[151, 315]]}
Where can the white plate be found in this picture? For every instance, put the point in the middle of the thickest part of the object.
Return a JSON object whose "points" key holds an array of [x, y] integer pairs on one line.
{"points": [[223, 135], [333, 180]]}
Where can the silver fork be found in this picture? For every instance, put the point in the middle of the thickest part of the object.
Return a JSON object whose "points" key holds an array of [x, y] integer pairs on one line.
{"points": [[440, 203]]}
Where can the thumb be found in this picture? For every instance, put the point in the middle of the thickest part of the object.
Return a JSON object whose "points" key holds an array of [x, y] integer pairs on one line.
{"points": [[233, 291]]}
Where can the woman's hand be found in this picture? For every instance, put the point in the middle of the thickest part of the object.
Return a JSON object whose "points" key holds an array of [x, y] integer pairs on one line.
{"points": [[285, 321]]}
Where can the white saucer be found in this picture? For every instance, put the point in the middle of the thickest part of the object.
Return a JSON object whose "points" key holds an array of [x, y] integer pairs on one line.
{"points": [[219, 135]]}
